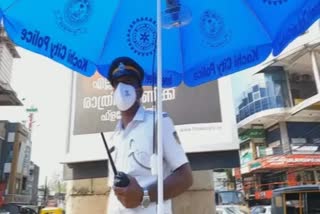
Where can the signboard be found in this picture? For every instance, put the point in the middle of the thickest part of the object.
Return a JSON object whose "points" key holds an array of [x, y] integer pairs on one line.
{"points": [[246, 157], [252, 134], [203, 116], [286, 161], [263, 195], [95, 109], [32, 110]]}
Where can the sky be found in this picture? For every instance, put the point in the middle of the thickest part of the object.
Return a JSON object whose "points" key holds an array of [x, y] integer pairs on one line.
{"points": [[45, 85]]}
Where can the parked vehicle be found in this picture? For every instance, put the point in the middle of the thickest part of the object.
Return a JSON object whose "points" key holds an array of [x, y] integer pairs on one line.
{"points": [[231, 201], [52, 210], [230, 209], [261, 209], [229, 197], [297, 200]]}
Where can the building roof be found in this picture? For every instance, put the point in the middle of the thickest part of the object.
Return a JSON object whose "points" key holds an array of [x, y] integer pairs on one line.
{"points": [[11, 46], [8, 96], [297, 189]]}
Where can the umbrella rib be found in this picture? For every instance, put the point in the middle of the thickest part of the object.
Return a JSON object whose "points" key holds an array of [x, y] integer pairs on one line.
{"points": [[112, 23], [258, 18], [182, 58], [10, 5], [294, 12]]}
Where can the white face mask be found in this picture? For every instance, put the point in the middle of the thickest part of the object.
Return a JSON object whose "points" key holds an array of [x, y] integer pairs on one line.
{"points": [[124, 96]]}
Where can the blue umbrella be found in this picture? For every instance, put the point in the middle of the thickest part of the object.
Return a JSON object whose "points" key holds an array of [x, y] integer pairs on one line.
{"points": [[198, 41], [222, 37]]}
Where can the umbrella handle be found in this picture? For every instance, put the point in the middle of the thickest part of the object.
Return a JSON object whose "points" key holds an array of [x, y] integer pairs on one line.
{"points": [[160, 208]]}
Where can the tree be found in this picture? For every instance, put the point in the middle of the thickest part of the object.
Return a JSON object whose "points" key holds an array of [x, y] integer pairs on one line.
{"points": [[56, 183]]}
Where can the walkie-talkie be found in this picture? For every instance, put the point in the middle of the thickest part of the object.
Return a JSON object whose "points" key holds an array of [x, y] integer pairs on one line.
{"points": [[120, 178]]}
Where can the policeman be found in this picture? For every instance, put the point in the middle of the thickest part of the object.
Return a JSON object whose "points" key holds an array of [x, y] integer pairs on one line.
{"points": [[133, 142]]}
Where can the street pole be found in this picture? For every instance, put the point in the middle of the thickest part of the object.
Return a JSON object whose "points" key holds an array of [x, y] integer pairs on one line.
{"points": [[32, 110], [45, 192]]}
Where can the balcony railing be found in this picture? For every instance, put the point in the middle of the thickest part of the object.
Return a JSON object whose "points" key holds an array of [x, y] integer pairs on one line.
{"points": [[259, 105], [254, 190], [15, 198]]}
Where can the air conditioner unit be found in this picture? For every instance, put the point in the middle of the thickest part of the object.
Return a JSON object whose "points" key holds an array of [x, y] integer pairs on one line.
{"points": [[306, 77], [295, 77]]}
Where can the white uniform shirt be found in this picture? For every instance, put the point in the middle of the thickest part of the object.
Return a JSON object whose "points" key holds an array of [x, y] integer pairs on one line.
{"points": [[133, 150]]}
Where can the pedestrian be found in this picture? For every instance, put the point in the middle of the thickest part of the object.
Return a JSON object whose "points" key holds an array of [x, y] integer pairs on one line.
{"points": [[133, 141]]}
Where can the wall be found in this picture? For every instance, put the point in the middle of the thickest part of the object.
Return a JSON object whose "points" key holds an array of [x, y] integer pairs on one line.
{"points": [[87, 196], [199, 199]]}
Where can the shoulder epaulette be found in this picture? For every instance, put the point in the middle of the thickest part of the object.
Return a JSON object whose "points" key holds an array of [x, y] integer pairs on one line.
{"points": [[165, 114]]}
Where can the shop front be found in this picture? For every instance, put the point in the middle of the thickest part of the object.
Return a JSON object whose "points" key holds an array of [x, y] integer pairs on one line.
{"points": [[270, 173]]}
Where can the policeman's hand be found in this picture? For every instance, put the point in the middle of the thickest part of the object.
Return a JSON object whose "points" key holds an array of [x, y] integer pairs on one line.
{"points": [[130, 196]]}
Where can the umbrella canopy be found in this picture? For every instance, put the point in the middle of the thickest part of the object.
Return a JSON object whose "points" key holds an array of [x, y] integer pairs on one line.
{"points": [[200, 41], [219, 37]]}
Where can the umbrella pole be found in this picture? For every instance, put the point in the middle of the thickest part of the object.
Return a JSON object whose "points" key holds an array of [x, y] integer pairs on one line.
{"points": [[160, 209]]}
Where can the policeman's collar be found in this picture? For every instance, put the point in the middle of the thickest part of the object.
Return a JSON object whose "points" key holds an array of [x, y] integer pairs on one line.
{"points": [[139, 116]]}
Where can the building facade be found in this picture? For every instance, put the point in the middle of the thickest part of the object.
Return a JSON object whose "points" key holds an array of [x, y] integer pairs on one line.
{"points": [[33, 182], [2, 183], [18, 174], [278, 117], [8, 53]]}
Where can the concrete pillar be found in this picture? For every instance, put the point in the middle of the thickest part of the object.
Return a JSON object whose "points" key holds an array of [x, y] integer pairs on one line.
{"points": [[284, 138], [316, 178], [315, 68], [12, 183], [199, 198], [87, 196]]}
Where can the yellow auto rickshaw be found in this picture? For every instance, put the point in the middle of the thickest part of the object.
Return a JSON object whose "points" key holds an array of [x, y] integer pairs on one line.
{"points": [[52, 210], [296, 199]]}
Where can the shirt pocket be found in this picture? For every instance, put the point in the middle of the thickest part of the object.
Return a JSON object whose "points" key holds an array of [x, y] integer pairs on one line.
{"points": [[139, 157]]}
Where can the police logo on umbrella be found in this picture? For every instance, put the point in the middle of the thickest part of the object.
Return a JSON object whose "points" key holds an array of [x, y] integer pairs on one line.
{"points": [[275, 2], [213, 29], [77, 11], [141, 36], [75, 14]]}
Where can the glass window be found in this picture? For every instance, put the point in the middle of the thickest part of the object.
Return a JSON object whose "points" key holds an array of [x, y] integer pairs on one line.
{"points": [[309, 177], [250, 97], [229, 197], [273, 134], [263, 92], [318, 175], [272, 85], [301, 77], [293, 203], [308, 130], [258, 210], [247, 111], [265, 103], [24, 183], [256, 96], [252, 111], [277, 86], [312, 202], [277, 204], [279, 101], [257, 105]]}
